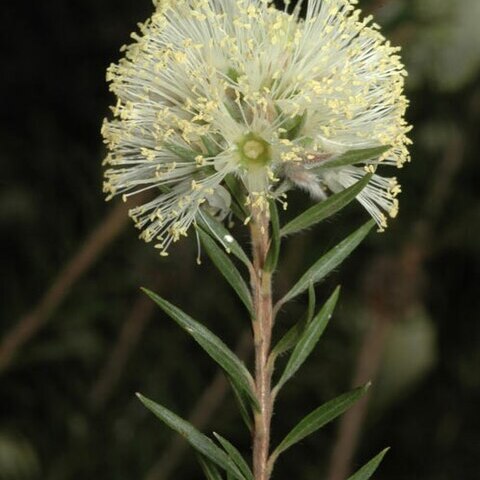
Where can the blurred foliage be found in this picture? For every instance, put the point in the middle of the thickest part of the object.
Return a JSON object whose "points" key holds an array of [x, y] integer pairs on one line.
{"points": [[55, 98]]}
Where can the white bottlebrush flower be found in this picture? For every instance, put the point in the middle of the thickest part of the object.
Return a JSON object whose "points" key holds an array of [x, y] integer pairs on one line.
{"points": [[211, 88]]}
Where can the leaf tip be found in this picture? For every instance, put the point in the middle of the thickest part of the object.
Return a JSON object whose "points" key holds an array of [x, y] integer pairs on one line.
{"points": [[146, 291]]}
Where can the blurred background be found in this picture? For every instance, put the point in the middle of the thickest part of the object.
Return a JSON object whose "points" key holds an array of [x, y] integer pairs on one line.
{"points": [[77, 338]]}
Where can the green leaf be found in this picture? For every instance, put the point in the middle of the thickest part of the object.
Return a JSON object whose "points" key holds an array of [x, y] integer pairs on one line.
{"points": [[274, 250], [209, 469], [290, 339], [352, 157], [369, 468], [325, 208], [308, 339], [243, 406], [235, 369], [324, 265], [196, 439], [238, 194], [311, 303], [218, 231], [227, 269], [236, 456], [318, 418], [182, 152]]}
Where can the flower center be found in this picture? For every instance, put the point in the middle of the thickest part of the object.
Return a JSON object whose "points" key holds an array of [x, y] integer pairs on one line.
{"points": [[254, 150]]}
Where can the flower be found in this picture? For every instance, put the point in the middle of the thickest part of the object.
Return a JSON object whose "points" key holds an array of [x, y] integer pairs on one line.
{"points": [[217, 89]]}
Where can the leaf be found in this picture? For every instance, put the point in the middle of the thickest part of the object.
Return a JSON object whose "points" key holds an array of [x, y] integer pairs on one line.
{"points": [[318, 418], [227, 269], [274, 250], [311, 303], [325, 264], [369, 468], [325, 208], [236, 456], [196, 439], [352, 157], [235, 369], [290, 339], [238, 194], [209, 469], [308, 339], [218, 231], [243, 406]]}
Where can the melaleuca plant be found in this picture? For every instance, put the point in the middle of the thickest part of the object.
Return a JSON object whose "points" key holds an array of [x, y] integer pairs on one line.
{"points": [[223, 107]]}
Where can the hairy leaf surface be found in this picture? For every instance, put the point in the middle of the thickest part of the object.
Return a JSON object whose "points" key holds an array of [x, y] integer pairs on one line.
{"points": [[328, 262]]}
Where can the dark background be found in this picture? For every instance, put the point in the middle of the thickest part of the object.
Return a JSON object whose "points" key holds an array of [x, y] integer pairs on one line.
{"points": [[77, 346]]}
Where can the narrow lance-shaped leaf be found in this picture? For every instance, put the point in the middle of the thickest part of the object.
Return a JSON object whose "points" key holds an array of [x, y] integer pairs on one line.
{"points": [[290, 339], [311, 302], [369, 468], [236, 456], [318, 418], [308, 339], [274, 250], [217, 230], [243, 404], [209, 469], [235, 188], [328, 262], [227, 269], [326, 208], [235, 369], [196, 439], [352, 157]]}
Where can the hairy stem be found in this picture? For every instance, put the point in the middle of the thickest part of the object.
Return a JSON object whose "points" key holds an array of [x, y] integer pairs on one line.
{"points": [[262, 332]]}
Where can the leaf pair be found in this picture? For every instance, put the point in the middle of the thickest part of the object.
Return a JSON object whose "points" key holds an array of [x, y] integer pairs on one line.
{"points": [[230, 460]]}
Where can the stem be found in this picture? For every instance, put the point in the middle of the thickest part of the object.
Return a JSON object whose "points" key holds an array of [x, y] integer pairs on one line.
{"points": [[262, 332]]}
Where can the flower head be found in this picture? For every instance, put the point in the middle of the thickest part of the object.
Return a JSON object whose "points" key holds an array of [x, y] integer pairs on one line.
{"points": [[217, 88]]}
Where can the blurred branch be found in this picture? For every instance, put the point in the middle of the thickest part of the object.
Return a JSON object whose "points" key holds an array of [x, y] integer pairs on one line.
{"points": [[89, 252], [128, 338], [388, 297], [134, 325], [200, 416]]}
